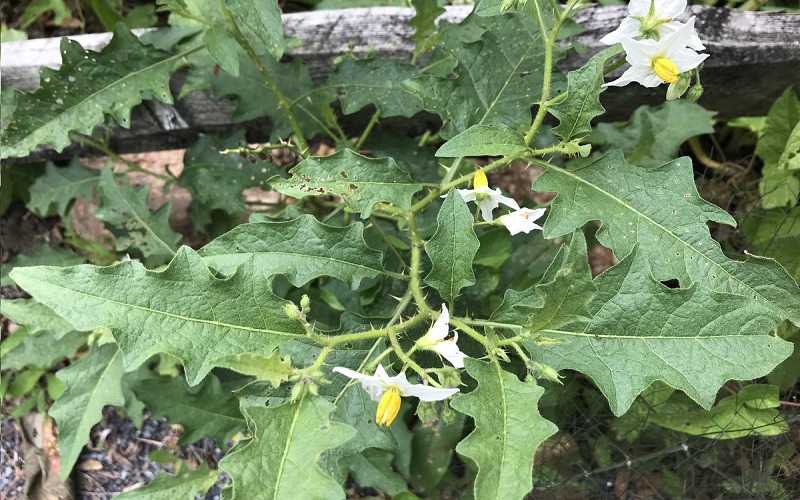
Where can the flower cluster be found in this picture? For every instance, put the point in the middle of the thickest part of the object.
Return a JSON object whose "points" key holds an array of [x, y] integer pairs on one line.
{"points": [[389, 390], [521, 220], [658, 49]]}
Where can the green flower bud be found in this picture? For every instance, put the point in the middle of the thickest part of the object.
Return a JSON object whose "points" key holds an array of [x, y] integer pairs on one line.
{"points": [[426, 411], [305, 304], [694, 93]]}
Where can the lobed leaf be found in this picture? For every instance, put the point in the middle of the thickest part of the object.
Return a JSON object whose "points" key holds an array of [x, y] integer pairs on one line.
{"points": [[693, 339], [36, 316], [53, 193], [452, 248], [183, 311], [43, 256], [280, 461], [498, 77], [360, 82], [92, 382], [584, 86], [361, 181], [508, 430], [86, 87], [263, 19], [780, 185], [126, 213], [302, 249], [659, 208]]}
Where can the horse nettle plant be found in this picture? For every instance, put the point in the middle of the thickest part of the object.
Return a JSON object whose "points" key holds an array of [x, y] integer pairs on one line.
{"points": [[385, 254]]}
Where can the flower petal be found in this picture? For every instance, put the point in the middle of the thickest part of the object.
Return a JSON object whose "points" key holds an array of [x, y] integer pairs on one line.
{"points": [[632, 74], [668, 9], [628, 28], [439, 329], [450, 351], [428, 393], [687, 59], [639, 7], [371, 383], [671, 27]]}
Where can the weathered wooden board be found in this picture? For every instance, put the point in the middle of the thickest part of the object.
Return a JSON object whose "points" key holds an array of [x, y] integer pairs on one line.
{"points": [[753, 57]]}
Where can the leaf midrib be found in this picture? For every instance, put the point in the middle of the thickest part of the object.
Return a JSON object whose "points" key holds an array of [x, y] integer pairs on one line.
{"points": [[294, 255], [142, 222], [187, 319], [285, 455], [106, 88], [666, 231]]}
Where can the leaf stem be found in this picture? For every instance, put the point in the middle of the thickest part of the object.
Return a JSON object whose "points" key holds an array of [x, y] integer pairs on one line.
{"points": [[372, 121], [132, 166], [416, 259], [461, 325]]}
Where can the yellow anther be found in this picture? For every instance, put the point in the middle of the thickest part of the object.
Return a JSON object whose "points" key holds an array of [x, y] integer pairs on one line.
{"points": [[665, 69], [480, 180], [388, 407]]}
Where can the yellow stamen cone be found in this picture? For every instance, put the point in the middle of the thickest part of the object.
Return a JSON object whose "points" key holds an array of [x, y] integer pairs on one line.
{"points": [[480, 180], [388, 407], [665, 69]]}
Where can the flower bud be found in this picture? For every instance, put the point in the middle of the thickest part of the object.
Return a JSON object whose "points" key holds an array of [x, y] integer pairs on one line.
{"points": [[427, 413], [694, 93], [292, 311], [677, 89], [305, 304]]}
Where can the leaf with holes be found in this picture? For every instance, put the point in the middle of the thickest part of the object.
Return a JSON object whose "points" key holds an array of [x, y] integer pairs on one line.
{"points": [[125, 211], [508, 430], [659, 209], [86, 87], [302, 249], [360, 82], [694, 339], [361, 181], [280, 461], [184, 310]]}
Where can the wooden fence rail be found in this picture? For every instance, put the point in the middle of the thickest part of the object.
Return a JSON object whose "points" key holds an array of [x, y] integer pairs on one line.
{"points": [[753, 58]]}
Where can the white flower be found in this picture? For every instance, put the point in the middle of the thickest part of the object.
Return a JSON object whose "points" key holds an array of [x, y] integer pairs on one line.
{"points": [[486, 198], [388, 390], [522, 221], [651, 18], [656, 62], [436, 340]]}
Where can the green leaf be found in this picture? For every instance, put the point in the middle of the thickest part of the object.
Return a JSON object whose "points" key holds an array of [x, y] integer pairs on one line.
{"points": [[43, 256], [484, 140], [184, 484], [111, 81], [36, 316], [452, 248], [495, 250], [223, 48], [584, 86], [373, 469], [562, 295], [37, 8], [361, 181], [25, 381], [693, 339], [263, 19], [750, 412], [53, 193], [775, 233], [653, 134], [424, 24], [205, 411], [255, 99], [432, 452], [783, 117], [217, 181], [281, 459], [360, 82], [92, 382], [183, 311], [270, 368], [790, 158], [125, 211], [498, 77], [301, 249], [508, 430], [779, 187], [659, 208], [42, 351]]}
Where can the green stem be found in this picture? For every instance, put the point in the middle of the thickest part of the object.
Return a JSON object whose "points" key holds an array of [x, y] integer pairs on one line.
{"points": [[461, 325], [407, 361], [105, 150], [548, 68], [377, 226], [416, 259], [284, 103], [452, 171], [372, 121]]}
